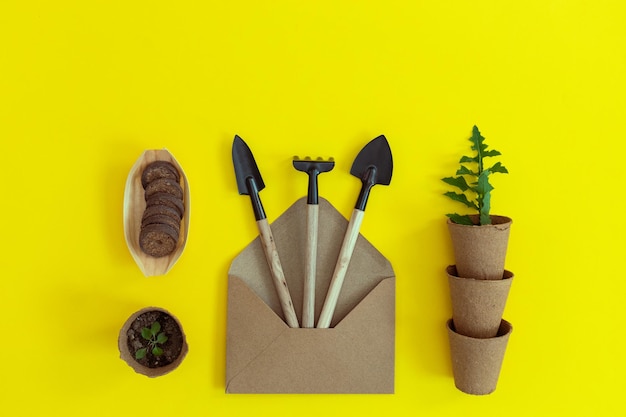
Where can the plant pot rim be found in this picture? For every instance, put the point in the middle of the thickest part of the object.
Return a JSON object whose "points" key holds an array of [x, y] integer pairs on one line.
{"points": [[496, 220], [452, 273], [506, 328], [127, 357]]}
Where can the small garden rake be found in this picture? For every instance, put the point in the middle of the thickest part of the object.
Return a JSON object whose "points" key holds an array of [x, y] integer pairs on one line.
{"points": [[313, 168]]}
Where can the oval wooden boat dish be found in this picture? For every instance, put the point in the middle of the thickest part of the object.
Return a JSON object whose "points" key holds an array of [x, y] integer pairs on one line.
{"points": [[134, 206]]}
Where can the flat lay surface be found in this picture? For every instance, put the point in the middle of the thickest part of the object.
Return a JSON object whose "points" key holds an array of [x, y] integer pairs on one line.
{"points": [[87, 87]]}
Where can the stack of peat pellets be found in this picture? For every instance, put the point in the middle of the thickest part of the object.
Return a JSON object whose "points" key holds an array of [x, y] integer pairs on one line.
{"points": [[160, 223]]}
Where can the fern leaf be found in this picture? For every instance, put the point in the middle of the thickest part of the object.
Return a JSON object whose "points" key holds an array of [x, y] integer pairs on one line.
{"points": [[461, 198], [460, 219], [484, 210], [477, 185], [468, 160], [491, 152], [465, 171], [498, 167], [484, 194], [477, 141], [479, 146], [458, 182], [484, 187]]}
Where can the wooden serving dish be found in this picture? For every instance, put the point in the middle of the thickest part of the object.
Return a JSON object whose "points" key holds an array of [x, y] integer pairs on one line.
{"points": [[134, 206]]}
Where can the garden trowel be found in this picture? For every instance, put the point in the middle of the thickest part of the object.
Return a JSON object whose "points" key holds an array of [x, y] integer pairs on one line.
{"points": [[249, 182], [373, 165]]}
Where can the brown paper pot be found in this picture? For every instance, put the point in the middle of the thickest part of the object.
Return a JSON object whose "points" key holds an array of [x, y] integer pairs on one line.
{"points": [[478, 304], [476, 363], [176, 343], [480, 251]]}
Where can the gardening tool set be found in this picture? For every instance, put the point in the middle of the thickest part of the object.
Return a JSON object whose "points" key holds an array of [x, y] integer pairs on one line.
{"points": [[373, 165]]}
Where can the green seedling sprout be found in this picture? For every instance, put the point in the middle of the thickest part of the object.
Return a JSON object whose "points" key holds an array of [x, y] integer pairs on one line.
{"points": [[154, 339], [478, 188]]}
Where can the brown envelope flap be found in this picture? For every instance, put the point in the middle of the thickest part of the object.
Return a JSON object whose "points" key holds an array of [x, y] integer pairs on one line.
{"points": [[265, 355], [367, 269]]}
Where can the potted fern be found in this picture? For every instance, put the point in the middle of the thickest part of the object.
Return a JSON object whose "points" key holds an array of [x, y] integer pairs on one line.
{"points": [[479, 239], [479, 284]]}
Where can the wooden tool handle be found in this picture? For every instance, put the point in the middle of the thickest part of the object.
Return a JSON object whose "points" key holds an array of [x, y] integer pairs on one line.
{"points": [[308, 299], [345, 254], [278, 276]]}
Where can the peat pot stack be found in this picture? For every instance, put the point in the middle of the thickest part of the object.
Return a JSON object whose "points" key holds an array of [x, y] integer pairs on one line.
{"points": [[479, 287]]}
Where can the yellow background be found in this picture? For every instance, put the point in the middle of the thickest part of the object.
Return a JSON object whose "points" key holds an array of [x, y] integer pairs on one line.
{"points": [[86, 86]]}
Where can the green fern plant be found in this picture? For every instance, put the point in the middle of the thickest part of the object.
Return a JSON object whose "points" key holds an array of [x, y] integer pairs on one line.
{"points": [[473, 181], [154, 339]]}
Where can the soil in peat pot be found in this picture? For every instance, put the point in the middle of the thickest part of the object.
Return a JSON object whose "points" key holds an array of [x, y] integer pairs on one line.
{"points": [[171, 348]]}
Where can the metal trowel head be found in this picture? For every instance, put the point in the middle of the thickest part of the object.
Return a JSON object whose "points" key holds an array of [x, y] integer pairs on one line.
{"points": [[373, 165], [245, 167], [376, 154]]}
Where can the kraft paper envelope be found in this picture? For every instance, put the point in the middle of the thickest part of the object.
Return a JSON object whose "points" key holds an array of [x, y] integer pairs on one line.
{"points": [[356, 355]]}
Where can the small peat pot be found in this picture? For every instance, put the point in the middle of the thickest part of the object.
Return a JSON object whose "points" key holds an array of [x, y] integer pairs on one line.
{"points": [[478, 304], [476, 363], [480, 250], [152, 342]]}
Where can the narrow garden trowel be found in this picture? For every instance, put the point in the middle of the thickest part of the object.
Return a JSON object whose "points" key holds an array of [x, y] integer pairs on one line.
{"points": [[249, 182], [373, 165], [313, 168]]}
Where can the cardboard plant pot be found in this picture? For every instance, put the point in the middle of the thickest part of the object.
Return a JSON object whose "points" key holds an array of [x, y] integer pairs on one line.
{"points": [[476, 363], [478, 304], [131, 340], [480, 250]]}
